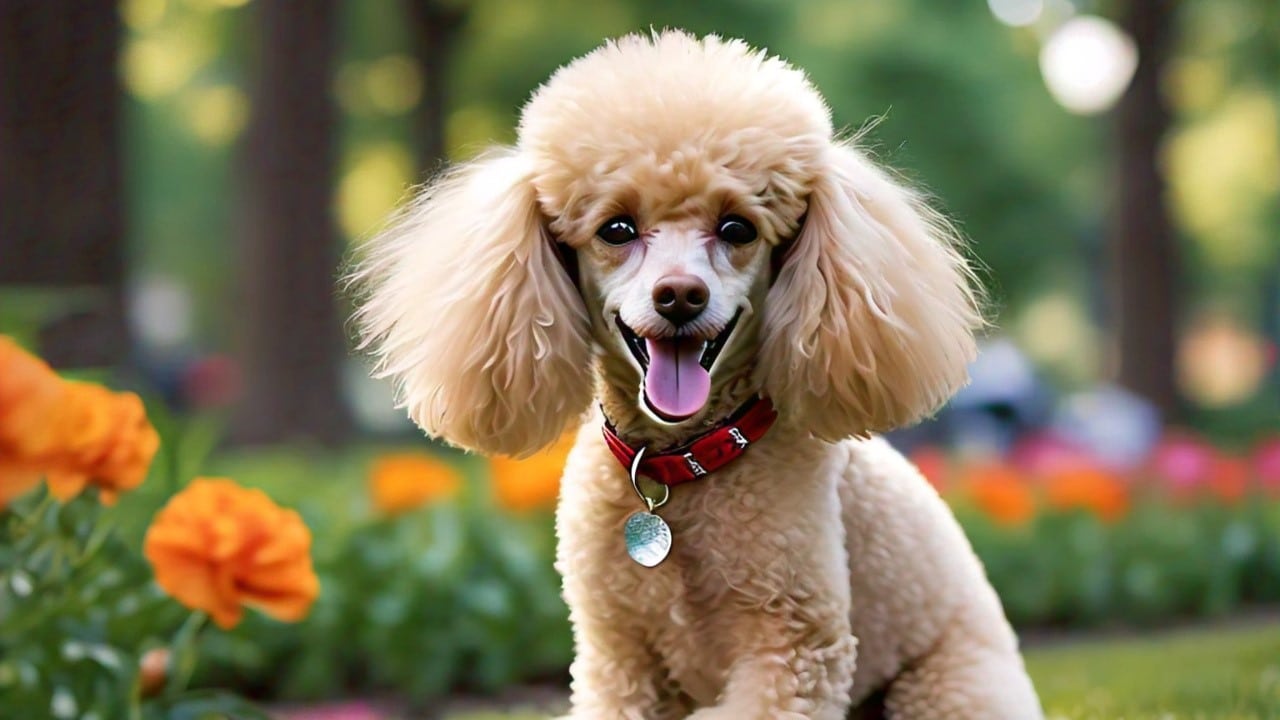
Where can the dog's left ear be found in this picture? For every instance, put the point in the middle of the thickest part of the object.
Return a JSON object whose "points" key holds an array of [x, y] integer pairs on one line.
{"points": [[467, 307], [870, 325]]}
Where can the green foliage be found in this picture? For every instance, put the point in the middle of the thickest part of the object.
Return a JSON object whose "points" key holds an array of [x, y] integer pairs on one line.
{"points": [[463, 595], [1156, 564], [78, 611], [455, 595]]}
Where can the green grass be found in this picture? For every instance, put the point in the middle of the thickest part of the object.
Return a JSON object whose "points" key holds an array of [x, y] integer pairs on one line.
{"points": [[1219, 674], [1203, 674]]}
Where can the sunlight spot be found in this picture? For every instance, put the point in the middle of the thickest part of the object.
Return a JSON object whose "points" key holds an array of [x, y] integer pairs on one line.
{"points": [[1220, 362], [1087, 63], [141, 15], [1224, 176], [376, 179], [472, 128], [1054, 331], [216, 115], [393, 84]]}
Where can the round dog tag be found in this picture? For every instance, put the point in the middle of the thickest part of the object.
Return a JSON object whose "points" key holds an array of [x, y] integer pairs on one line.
{"points": [[648, 538]]}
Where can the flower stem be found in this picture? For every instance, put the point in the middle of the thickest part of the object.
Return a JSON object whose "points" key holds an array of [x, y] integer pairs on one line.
{"points": [[184, 652]]}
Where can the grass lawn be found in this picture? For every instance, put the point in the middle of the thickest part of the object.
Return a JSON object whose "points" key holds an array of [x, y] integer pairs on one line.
{"points": [[1203, 674]]}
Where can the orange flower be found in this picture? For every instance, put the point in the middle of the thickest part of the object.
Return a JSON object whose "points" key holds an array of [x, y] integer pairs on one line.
{"points": [[406, 481], [1089, 488], [107, 440], [71, 432], [29, 395], [219, 547], [1000, 492], [15, 481], [1229, 480], [534, 482]]}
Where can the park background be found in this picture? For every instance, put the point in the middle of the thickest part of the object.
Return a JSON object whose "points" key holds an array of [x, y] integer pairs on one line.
{"points": [[181, 181]]}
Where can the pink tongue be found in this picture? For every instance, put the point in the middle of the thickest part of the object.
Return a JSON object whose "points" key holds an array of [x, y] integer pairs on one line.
{"points": [[676, 385]]}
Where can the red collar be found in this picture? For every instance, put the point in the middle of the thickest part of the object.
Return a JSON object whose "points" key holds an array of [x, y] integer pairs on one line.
{"points": [[704, 454]]}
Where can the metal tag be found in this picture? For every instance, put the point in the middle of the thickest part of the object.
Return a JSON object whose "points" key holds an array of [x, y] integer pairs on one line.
{"points": [[648, 538]]}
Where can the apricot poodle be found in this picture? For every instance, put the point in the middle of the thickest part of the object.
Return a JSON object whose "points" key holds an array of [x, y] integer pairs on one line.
{"points": [[680, 236]]}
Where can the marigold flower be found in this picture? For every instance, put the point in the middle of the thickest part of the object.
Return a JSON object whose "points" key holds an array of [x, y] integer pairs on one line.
{"points": [[29, 394], [1001, 492], [405, 481], [108, 441], [534, 482], [73, 433], [1089, 488], [219, 547], [15, 481]]}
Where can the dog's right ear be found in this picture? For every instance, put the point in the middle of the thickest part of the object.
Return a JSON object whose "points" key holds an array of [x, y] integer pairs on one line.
{"points": [[465, 305], [871, 322]]}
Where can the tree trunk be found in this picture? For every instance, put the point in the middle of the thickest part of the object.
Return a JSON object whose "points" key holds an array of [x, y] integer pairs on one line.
{"points": [[291, 345], [61, 198], [435, 33], [1145, 266]]}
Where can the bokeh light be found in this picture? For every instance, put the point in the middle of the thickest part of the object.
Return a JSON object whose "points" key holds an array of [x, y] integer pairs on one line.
{"points": [[1087, 63], [1016, 13]]}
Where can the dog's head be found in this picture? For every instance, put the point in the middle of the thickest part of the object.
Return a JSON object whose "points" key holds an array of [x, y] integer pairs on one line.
{"points": [[681, 209]]}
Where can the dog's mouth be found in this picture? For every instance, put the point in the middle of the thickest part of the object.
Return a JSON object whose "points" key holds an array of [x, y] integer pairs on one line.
{"points": [[677, 370]]}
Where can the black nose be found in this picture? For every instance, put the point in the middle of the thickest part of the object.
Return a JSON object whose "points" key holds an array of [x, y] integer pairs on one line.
{"points": [[680, 298]]}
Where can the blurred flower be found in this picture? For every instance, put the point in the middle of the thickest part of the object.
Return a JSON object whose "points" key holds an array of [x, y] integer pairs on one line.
{"points": [[73, 433], [932, 463], [1266, 464], [1229, 479], [1089, 488], [29, 394], [1182, 463], [108, 442], [219, 547], [534, 482], [1000, 492], [153, 671], [406, 481], [1044, 453], [15, 481]]}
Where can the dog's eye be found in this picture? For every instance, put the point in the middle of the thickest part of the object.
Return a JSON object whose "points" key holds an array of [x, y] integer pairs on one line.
{"points": [[736, 230], [618, 230]]}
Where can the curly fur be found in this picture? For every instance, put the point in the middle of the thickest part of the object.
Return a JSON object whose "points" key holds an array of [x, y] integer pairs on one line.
{"points": [[820, 568]]}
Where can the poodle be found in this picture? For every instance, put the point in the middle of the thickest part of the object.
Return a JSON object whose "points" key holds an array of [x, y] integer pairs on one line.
{"points": [[680, 236]]}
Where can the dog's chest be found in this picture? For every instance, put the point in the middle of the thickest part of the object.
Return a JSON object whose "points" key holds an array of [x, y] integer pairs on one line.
{"points": [[686, 605]]}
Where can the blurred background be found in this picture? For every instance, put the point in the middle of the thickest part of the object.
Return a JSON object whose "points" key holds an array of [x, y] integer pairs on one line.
{"points": [[180, 181]]}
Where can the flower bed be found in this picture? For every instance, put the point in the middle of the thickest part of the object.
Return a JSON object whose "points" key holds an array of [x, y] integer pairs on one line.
{"points": [[432, 569]]}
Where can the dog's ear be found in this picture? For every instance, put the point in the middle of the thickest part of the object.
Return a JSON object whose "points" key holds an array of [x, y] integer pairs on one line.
{"points": [[465, 304], [870, 325]]}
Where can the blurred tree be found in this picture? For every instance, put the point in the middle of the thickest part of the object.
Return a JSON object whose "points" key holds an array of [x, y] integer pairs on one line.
{"points": [[290, 344], [60, 185], [1145, 271], [437, 27]]}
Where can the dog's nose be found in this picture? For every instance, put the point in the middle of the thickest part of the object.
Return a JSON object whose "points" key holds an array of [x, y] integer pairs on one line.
{"points": [[680, 298]]}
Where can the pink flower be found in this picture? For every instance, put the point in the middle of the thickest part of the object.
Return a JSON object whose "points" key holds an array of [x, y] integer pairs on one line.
{"points": [[1266, 465], [1043, 454], [1183, 463]]}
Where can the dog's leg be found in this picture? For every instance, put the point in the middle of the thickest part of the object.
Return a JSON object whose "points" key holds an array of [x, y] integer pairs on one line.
{"points": [[973, 673], [788, 669], [614, 676]]}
